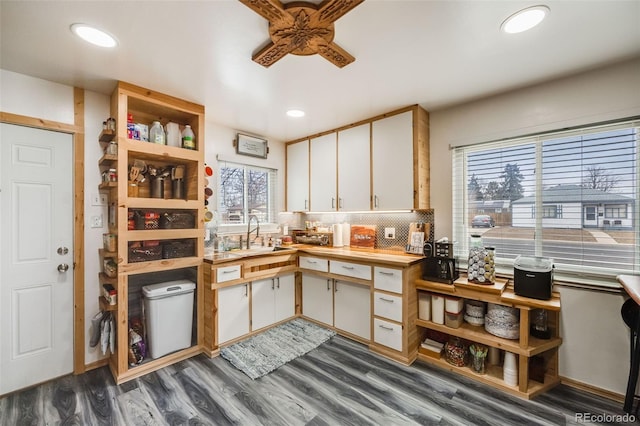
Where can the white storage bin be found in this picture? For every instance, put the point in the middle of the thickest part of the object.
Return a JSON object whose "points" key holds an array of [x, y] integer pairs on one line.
{"points": [[437, 308], [453, 305], [168, 310], [424, 306]]}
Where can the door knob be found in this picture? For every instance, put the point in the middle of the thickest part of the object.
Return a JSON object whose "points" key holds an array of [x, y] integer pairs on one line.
{"points": [[62, 251], [63, 267]]}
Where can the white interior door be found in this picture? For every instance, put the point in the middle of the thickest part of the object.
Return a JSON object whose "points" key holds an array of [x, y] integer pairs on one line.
{"points": [[36, 242]]}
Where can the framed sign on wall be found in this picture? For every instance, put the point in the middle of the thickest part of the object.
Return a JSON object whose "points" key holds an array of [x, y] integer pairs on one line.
{"points": [[252, 146]]}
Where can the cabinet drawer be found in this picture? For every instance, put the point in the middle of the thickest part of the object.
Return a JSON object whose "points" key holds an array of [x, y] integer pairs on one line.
{"points": [[314, 263], [228, 273], [348, 269], [388, 334], [388, 306], [387, 279]]}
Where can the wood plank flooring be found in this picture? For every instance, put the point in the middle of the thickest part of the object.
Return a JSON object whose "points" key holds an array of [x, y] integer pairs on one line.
{"points": [[339, 383]]}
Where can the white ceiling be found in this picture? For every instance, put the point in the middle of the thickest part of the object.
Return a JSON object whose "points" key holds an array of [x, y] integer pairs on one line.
{"points": [[433, 53]]}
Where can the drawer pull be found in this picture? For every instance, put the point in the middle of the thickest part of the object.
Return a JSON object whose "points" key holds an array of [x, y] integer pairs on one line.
{"points": [[385, 273], [229, 272], [384, 299], [311, 261], [384, 327], [348, 267]]}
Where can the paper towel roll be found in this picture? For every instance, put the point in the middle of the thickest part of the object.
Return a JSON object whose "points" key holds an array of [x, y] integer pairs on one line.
{"points": [[346, 234], [337, 235]]}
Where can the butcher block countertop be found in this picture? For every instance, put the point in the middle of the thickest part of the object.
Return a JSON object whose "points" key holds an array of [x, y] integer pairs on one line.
{"points": [[631, 284], [377, 256]]}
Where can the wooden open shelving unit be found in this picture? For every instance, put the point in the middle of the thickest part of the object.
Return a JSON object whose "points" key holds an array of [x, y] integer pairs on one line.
{"points": [[525, 347], [146, 106]]}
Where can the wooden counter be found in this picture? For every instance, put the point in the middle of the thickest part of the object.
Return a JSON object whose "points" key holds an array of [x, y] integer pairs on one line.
{"points": [[377, 256], [631, 284]]}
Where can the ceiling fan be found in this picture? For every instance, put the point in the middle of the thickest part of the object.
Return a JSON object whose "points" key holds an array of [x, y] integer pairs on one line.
{"points": [[301, 28]]}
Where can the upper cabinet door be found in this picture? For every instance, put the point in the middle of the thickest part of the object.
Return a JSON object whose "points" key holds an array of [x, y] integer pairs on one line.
{"points": [[323, 179], [354, 168], [392, 159], [298, 176]]}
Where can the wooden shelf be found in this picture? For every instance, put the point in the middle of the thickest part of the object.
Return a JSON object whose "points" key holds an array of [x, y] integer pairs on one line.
{"points": [[146, 106], [526, 346], [480, 335], [105, 306], [107, 160], [108, 185], [104, 279], [493, 377], [106, 136]]}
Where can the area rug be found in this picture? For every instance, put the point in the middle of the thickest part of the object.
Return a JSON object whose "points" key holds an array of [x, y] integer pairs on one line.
{"points": [[263, 353]]}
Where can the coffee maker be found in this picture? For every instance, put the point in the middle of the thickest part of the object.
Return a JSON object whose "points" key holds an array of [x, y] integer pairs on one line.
{"points": [[439, 264]]}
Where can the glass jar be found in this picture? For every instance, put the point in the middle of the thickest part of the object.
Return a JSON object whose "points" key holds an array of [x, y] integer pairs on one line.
{"points": [[112, 148], [455, 352]]}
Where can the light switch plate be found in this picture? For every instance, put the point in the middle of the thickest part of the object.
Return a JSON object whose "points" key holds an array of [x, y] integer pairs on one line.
{"points": [[390, 233], [99, 199]]}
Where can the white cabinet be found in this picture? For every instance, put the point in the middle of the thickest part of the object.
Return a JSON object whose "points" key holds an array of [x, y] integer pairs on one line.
{"points": [[298, 176], [392, 157], [285, 295], [272, 300], [387, 279], [317, 298], [322, 175], [314, 263], [387, 306], [352, 308], [387, 334], [354, 168], [233, 312], [262, 303], [354, 270]]}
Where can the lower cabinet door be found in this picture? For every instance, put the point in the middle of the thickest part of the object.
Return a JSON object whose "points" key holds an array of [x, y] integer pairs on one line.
{"points": [[262, 303], [388, 334], [233, 312], [317, 298], [353, 308], [285, 297]]}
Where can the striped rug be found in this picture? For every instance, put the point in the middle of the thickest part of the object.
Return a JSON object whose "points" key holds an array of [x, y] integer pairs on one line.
{"points": [[264, 352]]}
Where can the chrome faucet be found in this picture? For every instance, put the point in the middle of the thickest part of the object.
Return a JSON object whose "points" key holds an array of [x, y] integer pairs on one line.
{"points": [[249, 230]]}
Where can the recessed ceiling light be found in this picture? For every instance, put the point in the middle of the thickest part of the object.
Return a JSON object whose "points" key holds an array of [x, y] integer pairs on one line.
{"points": [[524, 19], [296, 113], [93, 35]]}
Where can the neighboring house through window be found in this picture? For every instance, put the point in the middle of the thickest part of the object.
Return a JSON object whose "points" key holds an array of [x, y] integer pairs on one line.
{"points": [[560, 187]]}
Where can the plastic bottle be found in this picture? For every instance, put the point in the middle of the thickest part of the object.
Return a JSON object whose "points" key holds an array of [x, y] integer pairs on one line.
{"points": [[156, 133], [188, 138]]}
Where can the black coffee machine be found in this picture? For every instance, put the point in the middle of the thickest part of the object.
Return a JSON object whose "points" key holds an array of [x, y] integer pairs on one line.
{"points": [[439, 264]]}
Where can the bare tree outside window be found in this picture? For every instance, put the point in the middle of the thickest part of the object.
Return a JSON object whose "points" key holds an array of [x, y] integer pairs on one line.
{"points": [[599, 178]]}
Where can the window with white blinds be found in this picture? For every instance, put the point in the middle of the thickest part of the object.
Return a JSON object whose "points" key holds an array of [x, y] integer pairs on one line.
{"points": [[246, 190], [573, 196]]}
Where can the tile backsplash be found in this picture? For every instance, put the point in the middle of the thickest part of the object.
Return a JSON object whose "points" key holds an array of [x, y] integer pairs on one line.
{"points": [[399, 220]]}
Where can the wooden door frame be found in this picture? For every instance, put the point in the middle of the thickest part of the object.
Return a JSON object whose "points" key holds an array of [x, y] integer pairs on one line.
{"points": [[76, 130]]}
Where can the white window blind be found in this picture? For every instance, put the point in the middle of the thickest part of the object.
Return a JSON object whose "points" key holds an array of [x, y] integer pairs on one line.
{"points": [[246, 190], [573, 196]]}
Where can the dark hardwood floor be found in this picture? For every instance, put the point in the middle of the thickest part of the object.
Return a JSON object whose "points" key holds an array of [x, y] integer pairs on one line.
{"points": [[339, 383]]}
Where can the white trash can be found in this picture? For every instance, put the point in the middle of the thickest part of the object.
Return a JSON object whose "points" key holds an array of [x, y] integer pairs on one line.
{"points": [[168, 310]]}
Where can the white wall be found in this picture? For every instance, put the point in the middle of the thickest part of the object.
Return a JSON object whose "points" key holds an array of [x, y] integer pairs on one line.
{"points": [[219, 144], [596, 343]]}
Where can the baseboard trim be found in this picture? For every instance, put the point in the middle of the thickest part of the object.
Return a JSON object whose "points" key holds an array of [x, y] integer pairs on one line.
{"points": [[614, 396]]}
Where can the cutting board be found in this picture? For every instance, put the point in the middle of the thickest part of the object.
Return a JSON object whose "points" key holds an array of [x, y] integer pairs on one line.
{"points": [[363, 236]]}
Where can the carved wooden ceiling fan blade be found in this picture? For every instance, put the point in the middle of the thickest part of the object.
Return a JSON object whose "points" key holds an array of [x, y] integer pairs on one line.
{"points": [[332, 10], [301, 28], [335, 54], [272, 53]]}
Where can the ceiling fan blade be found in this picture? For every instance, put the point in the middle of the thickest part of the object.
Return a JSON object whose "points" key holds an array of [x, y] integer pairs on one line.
{"points": [[272, 53], [271, 10], [331, 10], [335, 54]]}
